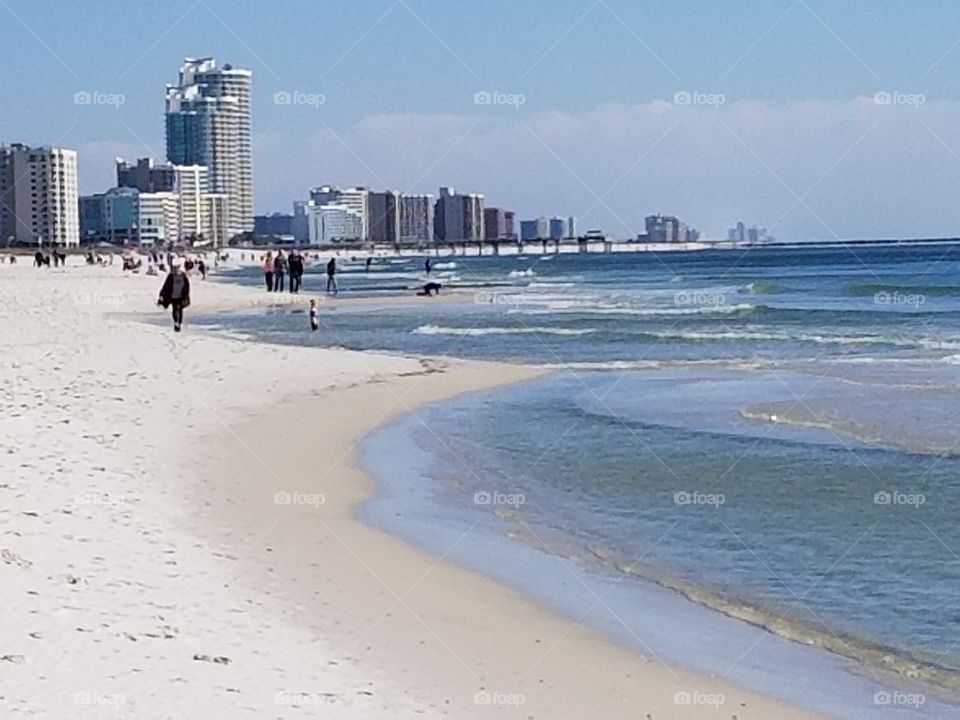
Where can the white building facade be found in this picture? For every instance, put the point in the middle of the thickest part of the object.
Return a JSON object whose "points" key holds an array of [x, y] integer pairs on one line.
{"points": [[38, 196]]}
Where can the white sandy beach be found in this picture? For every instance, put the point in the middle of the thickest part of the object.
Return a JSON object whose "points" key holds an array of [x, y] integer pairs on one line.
{"points": [[150, 566]]}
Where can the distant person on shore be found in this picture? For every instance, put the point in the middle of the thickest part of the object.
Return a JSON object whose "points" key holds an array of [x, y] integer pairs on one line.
{"points": [[296, 271], [332, 276], [430, 289], [202, 268], [279, 269], [314, 319], [369, 261], [175, 292], [268, 271], [427, 266]]}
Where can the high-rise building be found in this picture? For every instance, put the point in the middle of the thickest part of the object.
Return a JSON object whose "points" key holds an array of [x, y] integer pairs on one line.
{"points": [[191, 183], [448, 218], [528, 230], [571, 227], [38, 195], [208, 123], [158, 218], [663, 229], [332, 224], [145, 176], [384, 217], [458, 217], [473, 227], [300, 226], [358, 200], [416, 218], [278, 224], [325, 195], [557, 228], [510, 224], [494, 223]]}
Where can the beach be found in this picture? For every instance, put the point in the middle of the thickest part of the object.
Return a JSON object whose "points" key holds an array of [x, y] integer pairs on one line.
{"points": [[179, 535]]}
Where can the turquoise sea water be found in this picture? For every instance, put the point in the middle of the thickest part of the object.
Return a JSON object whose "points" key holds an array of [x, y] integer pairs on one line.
{"points": [[773, 435]]}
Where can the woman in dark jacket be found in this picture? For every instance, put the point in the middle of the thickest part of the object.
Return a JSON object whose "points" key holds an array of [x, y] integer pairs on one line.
{"points": [[175, 292]]}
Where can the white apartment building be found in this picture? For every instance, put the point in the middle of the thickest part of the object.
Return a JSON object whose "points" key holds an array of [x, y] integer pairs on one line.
{"points": [[208, 123], [38, 195], [357, 199], [158, 218], [332, 223]]}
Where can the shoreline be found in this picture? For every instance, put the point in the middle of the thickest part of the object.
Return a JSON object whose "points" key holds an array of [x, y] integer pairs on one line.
{"points": [[148, 566], [428, 612]]}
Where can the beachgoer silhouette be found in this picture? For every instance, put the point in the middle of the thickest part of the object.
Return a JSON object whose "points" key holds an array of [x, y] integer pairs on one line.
{"points": [[175, 293]]}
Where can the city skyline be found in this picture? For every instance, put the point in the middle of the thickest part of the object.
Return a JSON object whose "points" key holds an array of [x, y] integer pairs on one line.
{"points": [[738, 121]]}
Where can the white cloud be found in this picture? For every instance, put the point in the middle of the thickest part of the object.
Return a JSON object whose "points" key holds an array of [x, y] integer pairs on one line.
{"points": [[805, 169]]}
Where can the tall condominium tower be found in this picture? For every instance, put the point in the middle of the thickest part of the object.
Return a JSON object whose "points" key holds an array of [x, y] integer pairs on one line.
{"points": [[384, 221], [416, 218], [458, 217], [208, 123], [38, 195]]}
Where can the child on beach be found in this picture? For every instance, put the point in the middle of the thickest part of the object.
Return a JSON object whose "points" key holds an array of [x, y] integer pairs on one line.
{"points": [[314, 320]]}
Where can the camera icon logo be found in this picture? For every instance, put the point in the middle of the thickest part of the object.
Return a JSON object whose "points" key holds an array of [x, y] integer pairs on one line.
{"points": [[282, 498], [882, 498], [482, 97], [282, 97]]}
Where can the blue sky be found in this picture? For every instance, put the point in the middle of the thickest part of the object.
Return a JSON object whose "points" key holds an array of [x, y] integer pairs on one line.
{"points": [[794, 137]]}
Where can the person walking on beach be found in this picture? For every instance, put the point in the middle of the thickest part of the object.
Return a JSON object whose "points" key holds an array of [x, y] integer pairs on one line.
{"points": [[279, 269], [428, 266], [175, 292], [332, 275], [202, 268], [296, 271], [314, 319], [268, 271]]}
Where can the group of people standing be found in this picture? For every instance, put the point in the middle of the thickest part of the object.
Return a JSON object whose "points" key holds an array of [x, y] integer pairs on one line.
{"points": [[276, 268]]}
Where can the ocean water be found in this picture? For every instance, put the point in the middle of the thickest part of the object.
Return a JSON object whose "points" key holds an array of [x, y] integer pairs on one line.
{"points": [[773, 435]]}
